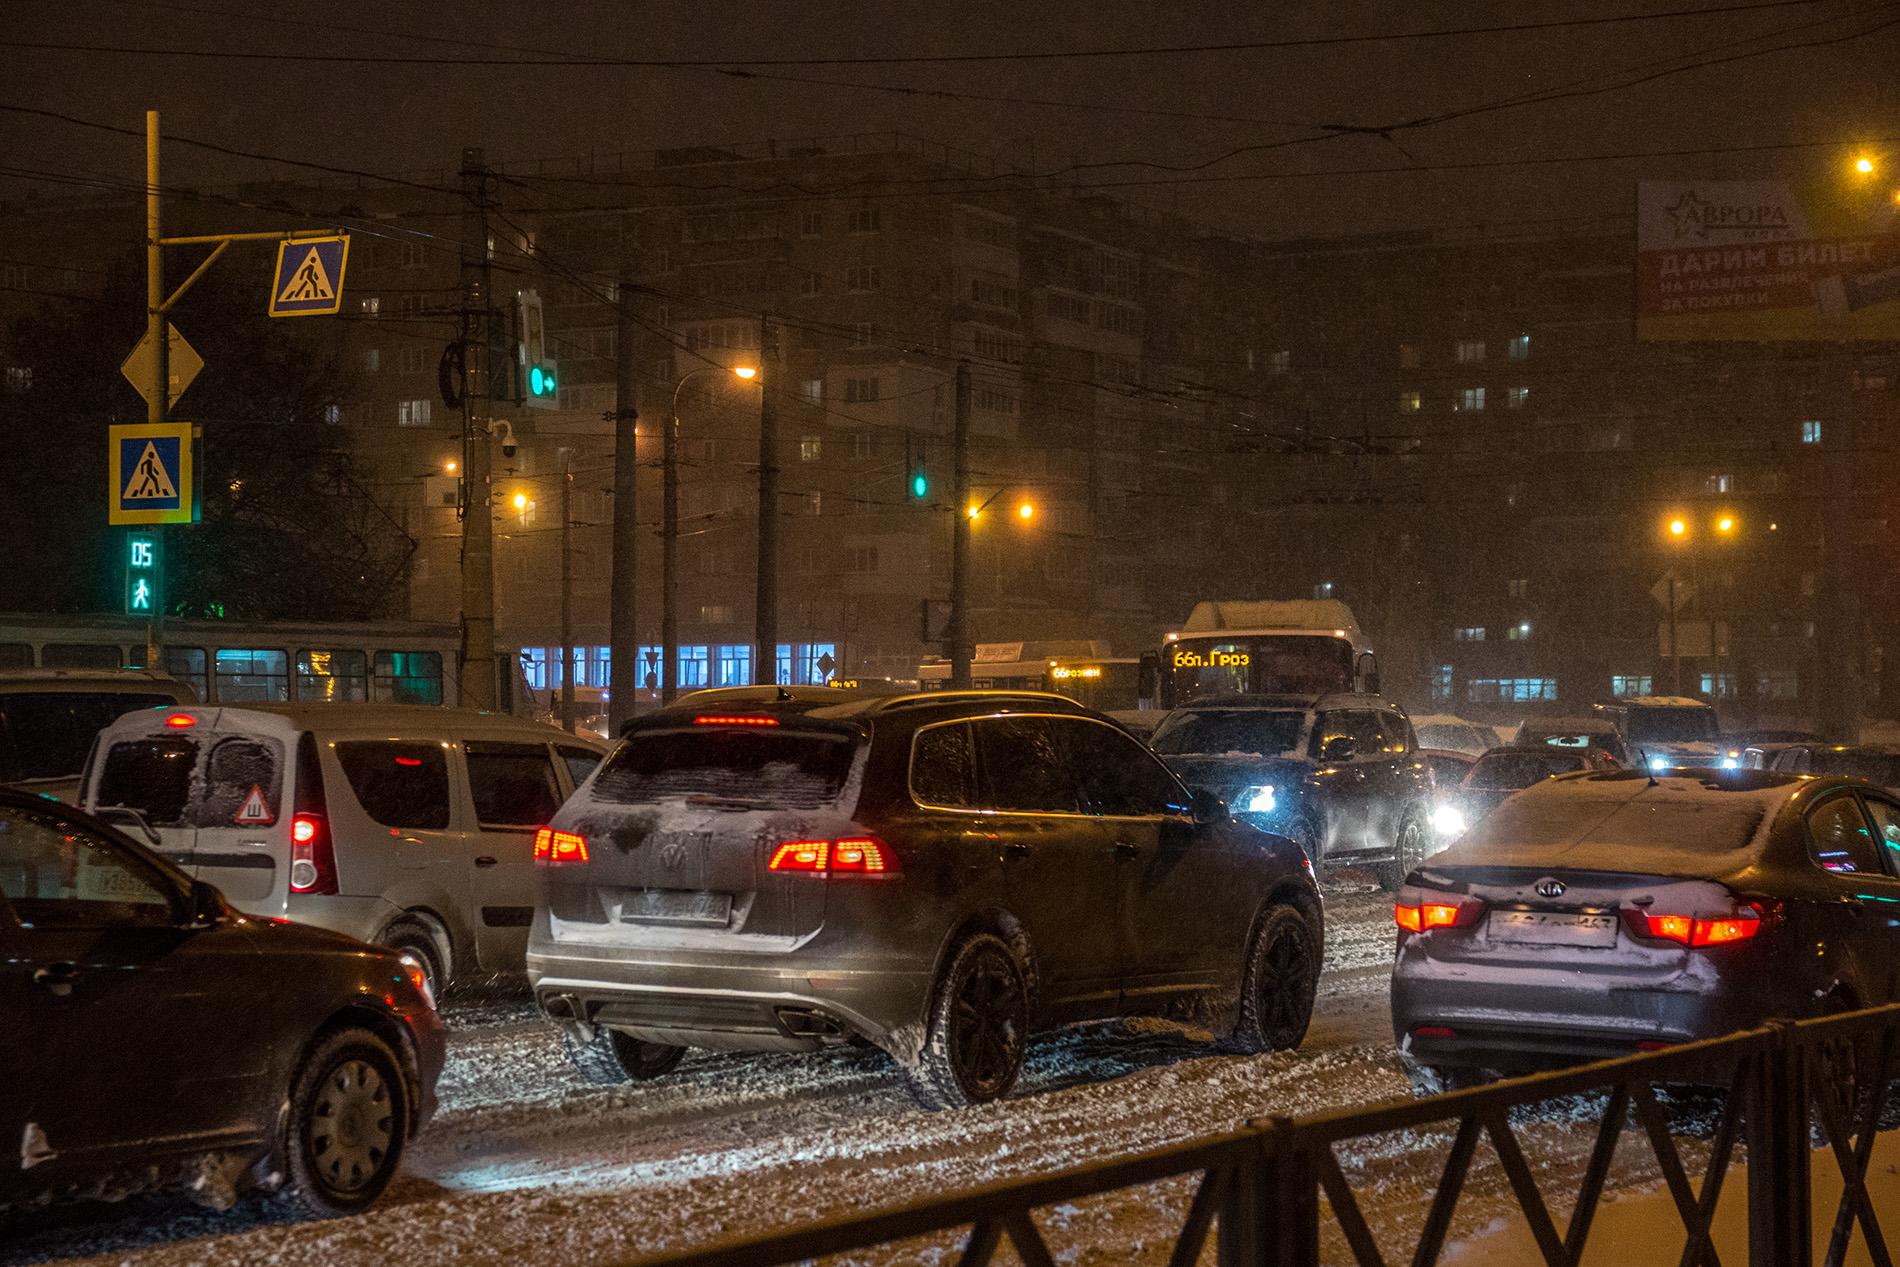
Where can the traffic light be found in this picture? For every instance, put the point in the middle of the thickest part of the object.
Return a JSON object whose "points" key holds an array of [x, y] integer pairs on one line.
{"points": [[143, 576], [916, 470], [535, 368]]}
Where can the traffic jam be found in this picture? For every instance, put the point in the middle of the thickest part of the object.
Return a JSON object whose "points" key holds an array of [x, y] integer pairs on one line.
{"points": [[947, 884]]}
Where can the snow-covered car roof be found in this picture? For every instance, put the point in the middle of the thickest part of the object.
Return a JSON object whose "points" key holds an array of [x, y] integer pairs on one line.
{"points": [[1706, 823]]}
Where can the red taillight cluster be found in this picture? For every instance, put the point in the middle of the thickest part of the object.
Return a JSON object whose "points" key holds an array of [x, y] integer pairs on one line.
{"points": [[312, 859], [180, 720], [1695, 930], [855, 855], [1437, 910], [734, 719], [553, 847]]}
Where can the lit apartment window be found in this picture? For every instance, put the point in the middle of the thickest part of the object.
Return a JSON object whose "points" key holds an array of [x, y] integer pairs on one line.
{"points": [[1471, 400], [371, 306], [1516, 397], [1411, 402], [1468, 633], [1624, 685], [412, 413], [813, 391], [1811, 431], [1441, 684], [1519, 347], [810, 448], [1520, 632], [1470, 351], [1519, 587], [1511, 689], [1721, 482]]}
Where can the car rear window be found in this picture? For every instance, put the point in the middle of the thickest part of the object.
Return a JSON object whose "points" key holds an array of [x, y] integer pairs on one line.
{"points": [[1701, 824], [152, 776], [1521, 769], [45, 734], [772, 768], [1253, 732], [1878, 768], [399, 784]]}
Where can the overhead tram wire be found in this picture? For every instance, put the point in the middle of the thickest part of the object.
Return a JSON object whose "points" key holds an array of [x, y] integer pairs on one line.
{"points": [[570, 61]]}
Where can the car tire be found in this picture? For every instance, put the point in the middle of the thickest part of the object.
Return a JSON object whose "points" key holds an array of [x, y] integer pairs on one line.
{"points": [[1307, 831], [413, 935], [1408, 850], [1429, 1080], [348, 1121], [613, 1057], [1277, 984], [977, 1029]]}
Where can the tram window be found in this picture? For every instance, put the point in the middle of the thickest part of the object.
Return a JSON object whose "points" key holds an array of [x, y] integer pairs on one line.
{"points": [[332, 675], [15, 655], [79, 655], [246, 674], [187, 664], [408, 677]]}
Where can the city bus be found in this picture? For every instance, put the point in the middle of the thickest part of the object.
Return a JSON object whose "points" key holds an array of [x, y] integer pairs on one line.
{"points": [[1259, 647], [1080, 669]]}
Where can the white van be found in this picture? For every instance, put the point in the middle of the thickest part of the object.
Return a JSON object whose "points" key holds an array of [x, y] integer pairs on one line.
{"points": [[406, 825]]}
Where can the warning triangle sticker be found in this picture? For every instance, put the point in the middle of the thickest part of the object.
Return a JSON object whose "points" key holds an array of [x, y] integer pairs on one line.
{"points": [[309, 283], [256, 811], [149, 478]]}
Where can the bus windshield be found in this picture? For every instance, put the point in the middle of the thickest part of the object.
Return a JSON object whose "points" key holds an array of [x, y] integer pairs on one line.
{"points": [[1196, 667]]}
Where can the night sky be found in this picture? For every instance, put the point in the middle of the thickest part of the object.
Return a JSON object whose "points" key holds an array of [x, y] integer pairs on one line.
{"points": [[395, 117]]}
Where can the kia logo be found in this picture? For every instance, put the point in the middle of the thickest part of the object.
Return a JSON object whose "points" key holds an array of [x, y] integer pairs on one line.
{"points": [[1550, 888]]}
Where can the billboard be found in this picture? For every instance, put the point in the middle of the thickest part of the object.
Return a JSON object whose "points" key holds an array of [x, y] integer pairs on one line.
{"points": [[1749, 260]]}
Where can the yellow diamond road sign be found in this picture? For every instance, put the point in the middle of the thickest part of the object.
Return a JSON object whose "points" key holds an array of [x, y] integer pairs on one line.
{"points": [[184, 366]]}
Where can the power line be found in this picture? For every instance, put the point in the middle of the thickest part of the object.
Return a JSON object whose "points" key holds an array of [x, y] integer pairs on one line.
{"points": [[570, 61]]}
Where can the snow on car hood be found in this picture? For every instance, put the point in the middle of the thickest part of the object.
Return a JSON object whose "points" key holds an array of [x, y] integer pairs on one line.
{"points": [[1674, 826]]}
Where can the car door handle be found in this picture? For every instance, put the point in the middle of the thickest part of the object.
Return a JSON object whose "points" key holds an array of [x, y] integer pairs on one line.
{"points": [[1122, 849], [1852, 903], [486, 861], [57, 978]]}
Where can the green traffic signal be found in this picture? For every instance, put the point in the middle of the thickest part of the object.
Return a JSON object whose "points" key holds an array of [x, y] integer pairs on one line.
{"points": [[540, 381], [919, 484]]}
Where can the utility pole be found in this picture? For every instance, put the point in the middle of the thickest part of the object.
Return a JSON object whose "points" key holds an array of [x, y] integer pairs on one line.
{"points": [[623, 638], [958, 634], [477, 676], [568, 657], [765, 608], [158, 334], [670, 550]]}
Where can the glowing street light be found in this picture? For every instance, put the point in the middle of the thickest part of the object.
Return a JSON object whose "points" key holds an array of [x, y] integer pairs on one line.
{"points": [[1678, 527], [745, 371], [521, 501], [1725, 523], [1026, 511], [1864, 165]]}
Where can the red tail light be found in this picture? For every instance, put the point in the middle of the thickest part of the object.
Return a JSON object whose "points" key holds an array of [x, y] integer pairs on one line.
{"points": [[551, 848], [312, 853], [181, 720], [737, 719], [853, 855], [1698, 931], [1437, 910]]}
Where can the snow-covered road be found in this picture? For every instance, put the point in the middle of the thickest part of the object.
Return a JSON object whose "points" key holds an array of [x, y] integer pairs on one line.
{"points": [[526, 1164]]}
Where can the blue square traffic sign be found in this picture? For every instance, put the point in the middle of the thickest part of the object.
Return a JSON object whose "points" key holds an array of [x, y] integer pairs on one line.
{"points": [[149, 474], [309, 277]]}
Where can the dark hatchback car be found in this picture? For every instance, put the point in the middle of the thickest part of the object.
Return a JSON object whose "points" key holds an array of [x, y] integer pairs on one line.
{"points": [[156, 1038], [1601, 914], [1879, 764], [1503, 771], [938, 875], [1341, 774]]}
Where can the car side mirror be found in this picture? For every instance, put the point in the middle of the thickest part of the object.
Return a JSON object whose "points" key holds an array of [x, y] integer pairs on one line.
{"points": [[1338, 749], [205, 906], [1206, 808]]}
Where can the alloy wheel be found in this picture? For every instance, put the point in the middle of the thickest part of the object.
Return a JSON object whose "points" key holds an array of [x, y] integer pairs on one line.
{"points": [[351, 1126], [1286, 989], [988, 1023]]}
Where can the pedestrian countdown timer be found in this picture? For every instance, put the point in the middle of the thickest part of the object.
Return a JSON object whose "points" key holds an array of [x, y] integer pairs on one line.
{"points": [[143, 576]]}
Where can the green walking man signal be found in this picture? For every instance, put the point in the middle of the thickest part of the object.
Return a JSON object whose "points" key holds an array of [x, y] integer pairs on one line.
{"points": [[143, 576]]}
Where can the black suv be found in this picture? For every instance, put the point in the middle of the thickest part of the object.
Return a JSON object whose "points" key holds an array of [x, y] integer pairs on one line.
{"points": [[938, 875], [1341, 774]]}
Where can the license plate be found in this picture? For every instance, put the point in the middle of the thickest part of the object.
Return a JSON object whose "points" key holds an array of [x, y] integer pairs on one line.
{"points": [[1553, 928], [677, 906]]}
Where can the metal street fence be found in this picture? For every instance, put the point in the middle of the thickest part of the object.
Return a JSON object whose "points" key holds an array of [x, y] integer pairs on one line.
{"points": [[1781, 1089]]}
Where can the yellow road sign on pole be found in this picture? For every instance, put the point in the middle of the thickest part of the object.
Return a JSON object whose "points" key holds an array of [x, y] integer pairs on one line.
{"points": [[183, 365]]}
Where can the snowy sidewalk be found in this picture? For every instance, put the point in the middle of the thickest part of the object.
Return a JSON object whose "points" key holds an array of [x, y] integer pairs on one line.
{"points": [[1644, 1227]]}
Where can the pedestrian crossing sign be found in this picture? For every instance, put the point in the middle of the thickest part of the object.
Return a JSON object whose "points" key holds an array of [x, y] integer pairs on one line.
{"points": [[149, 474], [309, 277]]}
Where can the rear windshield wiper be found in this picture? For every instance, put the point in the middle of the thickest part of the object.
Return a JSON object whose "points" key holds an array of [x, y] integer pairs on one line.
{"points": [[730, 802], [135, 816]]}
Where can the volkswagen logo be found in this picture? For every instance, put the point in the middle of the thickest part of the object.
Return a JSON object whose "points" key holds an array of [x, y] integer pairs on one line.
{"points": [[673, 853], [1550, 888]]}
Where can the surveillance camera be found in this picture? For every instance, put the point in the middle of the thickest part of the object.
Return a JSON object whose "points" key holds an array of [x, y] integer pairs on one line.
{"points": [[505, 432]]}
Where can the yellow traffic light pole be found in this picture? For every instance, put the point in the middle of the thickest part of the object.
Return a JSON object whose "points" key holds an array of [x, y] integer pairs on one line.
{"points": [[158, 306]]}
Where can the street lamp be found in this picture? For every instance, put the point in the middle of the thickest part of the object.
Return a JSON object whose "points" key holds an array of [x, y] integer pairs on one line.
{"points": [[670, 531], [1724, 525]]}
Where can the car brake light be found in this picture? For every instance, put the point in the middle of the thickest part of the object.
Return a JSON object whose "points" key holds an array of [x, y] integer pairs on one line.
{"points": [[1434, 1031], [312, 860], [740, 719], [852, 855], [181, 720], [1437, 910], [552, 847], [1691, 930]]}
